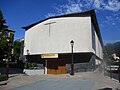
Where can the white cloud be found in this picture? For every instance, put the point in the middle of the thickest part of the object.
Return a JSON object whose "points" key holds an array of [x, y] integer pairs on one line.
{"points": [[70, 7], [97, 4], [109, 18], [112, 19], [113, 23], [110, 41], [50, 15], [112, 5], [78, 5]]}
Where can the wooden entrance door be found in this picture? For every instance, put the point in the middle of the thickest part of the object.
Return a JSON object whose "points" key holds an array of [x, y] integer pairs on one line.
{"points": [[56, 67]]}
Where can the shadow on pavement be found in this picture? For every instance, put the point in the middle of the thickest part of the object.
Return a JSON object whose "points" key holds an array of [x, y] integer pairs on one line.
{"points": [[106, 88]]}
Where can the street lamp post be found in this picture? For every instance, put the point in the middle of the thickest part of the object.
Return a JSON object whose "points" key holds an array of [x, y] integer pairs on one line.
{"points": [[27, 54], [26, 59], [72, 64], [119, 71]]}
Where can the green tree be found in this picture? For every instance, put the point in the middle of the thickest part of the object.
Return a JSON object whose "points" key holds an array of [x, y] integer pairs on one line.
{"points": [[5, 34], [113, 48], [110, 49], [117, 48], [16, 49], [3, 38]]}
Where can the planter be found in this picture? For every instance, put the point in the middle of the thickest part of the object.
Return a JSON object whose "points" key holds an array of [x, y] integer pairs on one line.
{"points": [[34, 72]]}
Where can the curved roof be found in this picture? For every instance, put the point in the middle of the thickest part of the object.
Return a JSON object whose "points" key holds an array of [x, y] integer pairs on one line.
{"points": [[79, 14]]}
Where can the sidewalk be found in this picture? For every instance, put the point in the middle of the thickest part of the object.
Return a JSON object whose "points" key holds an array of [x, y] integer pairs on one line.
{"points": [[101, 82]]}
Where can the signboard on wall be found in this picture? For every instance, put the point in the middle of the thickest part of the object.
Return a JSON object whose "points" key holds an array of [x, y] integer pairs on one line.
{"points": [[49, 55]]}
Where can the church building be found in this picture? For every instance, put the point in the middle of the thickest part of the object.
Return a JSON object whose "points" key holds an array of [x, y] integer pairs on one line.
{"points": [[49, 41]]}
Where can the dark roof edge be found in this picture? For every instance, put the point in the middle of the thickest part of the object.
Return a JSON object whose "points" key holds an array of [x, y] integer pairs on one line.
{"points": [[95, 23], [9, 29], [65, 15]]}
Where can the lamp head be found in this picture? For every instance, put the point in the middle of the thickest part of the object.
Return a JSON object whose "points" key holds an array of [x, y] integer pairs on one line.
{"points": [[72, 42], [27, 52]]}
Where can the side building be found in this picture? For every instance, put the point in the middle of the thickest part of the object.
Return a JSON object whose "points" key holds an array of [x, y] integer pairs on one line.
{"points": [[48, 42]]}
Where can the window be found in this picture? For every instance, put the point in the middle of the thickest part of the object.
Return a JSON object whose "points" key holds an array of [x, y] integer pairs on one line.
{"points": [[93, 39]]}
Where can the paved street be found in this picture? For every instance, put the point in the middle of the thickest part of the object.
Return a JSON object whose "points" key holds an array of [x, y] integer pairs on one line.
{"points": [[58, 85], [80, 81]]}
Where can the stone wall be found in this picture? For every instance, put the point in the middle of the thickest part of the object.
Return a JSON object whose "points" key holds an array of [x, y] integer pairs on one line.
{"points": [[83, 67]]}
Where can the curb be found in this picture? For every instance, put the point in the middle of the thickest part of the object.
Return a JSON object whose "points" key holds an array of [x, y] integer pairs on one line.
{"points": [[4, 82]]}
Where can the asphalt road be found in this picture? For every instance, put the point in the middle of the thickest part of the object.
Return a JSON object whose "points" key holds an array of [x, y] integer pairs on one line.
{"points": [[58, 85]]}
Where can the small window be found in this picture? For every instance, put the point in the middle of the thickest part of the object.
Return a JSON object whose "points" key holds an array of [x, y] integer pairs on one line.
{"points": [[93, 39]]}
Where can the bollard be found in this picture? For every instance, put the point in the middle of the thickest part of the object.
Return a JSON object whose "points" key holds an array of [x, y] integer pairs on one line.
{"points": [[119, 73]]}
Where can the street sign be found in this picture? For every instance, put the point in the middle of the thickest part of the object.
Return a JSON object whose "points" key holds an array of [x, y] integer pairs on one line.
{"points": [[49, 55]]}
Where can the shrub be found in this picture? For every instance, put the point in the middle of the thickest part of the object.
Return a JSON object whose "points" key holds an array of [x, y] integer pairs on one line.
{"points": [[3, 77], [34, 64], [30, 65]]}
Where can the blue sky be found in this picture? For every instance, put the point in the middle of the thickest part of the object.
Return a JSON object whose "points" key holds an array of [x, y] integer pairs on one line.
{"points": [[19, 13]]}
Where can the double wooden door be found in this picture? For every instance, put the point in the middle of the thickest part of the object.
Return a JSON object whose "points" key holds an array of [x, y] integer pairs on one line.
{"points": [[56, 66]]}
